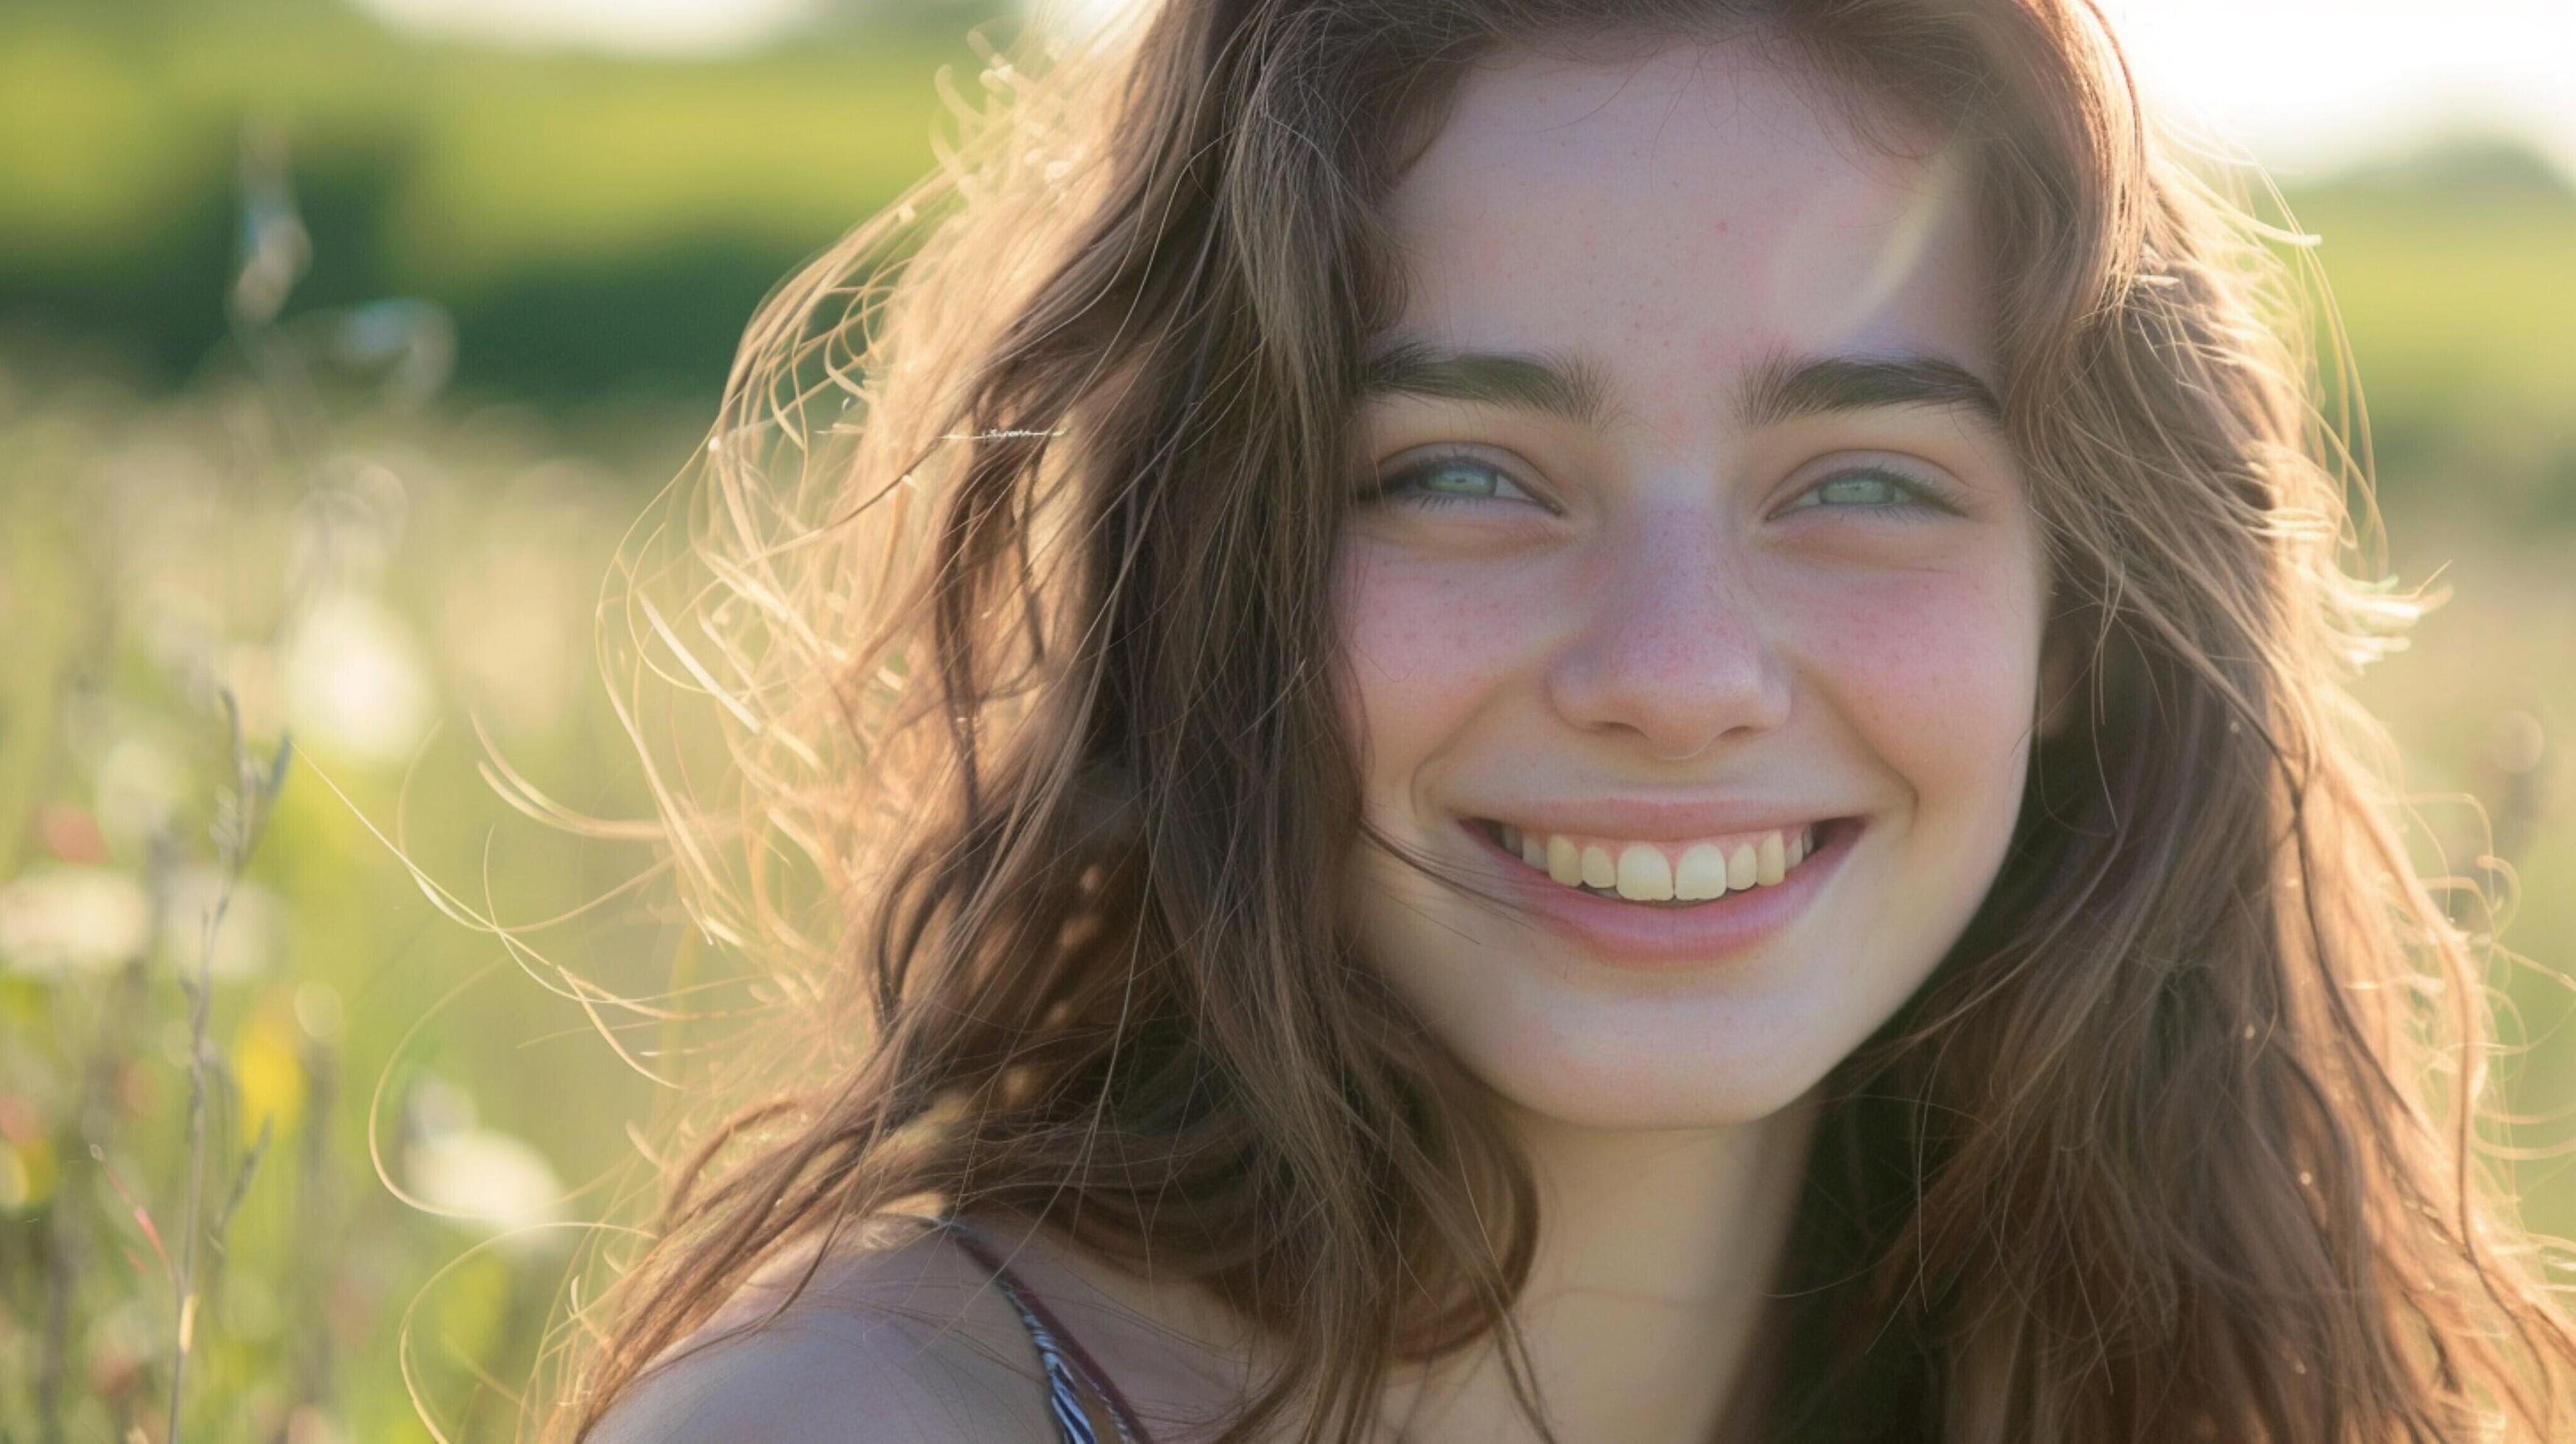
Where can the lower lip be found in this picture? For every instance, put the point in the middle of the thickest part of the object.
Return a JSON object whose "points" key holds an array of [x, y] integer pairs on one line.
{"points": [[1649, 936]]}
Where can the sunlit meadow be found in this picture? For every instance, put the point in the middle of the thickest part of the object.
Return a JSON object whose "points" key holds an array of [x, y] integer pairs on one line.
{"points": [[307, 1092]]}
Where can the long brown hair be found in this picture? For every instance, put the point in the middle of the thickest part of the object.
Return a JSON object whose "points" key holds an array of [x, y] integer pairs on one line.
{"points": [[1008, 569]]}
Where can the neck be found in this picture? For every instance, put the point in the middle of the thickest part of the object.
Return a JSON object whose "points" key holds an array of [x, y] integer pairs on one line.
{"points": [[1657, 1251]]}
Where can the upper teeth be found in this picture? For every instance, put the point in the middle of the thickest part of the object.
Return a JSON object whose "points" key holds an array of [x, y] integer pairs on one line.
{"points": [[1664, 871]]}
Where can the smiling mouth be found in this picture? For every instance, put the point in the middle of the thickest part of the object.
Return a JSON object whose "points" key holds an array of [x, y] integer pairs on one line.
{"points": [[1670, 874]]}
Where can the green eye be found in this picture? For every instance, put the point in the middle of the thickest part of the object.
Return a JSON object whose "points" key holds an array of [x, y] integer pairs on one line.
{"points": [[1445, 479], [1872, 488], [1858, 491], [1458, 478]]}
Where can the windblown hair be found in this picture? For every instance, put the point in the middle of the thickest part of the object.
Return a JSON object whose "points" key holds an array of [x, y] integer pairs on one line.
{"points": [[1016, 538]]}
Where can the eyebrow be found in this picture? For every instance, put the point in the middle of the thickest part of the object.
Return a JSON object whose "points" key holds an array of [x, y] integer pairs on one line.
{"points": [[1573, 388], [1789, 388], [1568, 387]]}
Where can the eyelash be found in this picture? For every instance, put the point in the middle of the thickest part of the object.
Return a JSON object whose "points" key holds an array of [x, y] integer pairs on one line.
{"points": [[1920, 495]]}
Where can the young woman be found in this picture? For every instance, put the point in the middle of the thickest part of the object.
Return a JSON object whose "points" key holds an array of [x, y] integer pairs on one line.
{"points": [[1541, 719]]}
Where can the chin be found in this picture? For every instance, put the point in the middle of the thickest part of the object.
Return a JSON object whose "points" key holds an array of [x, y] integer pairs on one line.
{"points": [[1724, 1078]]}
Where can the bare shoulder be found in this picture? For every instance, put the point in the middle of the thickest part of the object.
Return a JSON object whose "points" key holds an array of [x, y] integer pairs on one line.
{"points": [[903, 1342]]}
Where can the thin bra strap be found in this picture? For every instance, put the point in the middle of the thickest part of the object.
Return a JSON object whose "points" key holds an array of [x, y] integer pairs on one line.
{"points": [[1059, 1352]]}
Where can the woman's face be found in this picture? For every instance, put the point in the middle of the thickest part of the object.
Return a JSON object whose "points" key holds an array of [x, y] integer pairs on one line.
{"points": [[1698, 610]]}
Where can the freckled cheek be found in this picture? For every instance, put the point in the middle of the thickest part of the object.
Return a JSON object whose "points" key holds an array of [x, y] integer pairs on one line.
{"points": [[1934, 670], [1428, 647]]}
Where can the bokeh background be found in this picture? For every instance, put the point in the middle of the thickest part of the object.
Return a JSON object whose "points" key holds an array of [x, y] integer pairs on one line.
{"points": [[340, 342]]}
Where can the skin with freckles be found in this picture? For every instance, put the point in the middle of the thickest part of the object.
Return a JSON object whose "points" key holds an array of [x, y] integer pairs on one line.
{"points": [[1831, 615], [1665, 589]]}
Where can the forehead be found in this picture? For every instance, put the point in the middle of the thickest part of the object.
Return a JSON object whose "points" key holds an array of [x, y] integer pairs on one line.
{"points": [[1682, 216]]}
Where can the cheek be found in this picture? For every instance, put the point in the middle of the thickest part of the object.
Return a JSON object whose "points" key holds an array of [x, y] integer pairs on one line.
{"points": [[1427, 645], [1934, 670]]}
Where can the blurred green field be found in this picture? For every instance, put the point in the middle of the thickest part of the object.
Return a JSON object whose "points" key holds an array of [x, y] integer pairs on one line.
{"points": [[587, 222], [2455, 274], [380, 592], [400, 566]]}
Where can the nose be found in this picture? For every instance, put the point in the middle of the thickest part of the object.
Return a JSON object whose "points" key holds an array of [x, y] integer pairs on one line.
{"points": [[1673, 652]]}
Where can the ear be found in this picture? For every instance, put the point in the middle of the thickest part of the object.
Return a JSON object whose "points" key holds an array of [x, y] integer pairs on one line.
{"points": [[2061, 671]]}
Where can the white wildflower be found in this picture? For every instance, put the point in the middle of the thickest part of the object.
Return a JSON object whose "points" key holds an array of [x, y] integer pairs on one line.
{"points": [[72, 919], [354, 680], [486, 1178]]}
